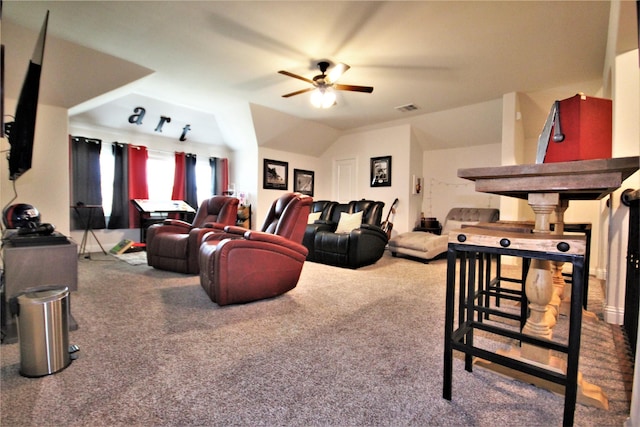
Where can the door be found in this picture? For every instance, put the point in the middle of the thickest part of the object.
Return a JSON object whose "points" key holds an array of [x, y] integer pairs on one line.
{"points": [[345, 180]]}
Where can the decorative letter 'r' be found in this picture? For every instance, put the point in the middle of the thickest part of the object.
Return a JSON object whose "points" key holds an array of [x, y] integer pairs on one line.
{"points": [[161, 123]]}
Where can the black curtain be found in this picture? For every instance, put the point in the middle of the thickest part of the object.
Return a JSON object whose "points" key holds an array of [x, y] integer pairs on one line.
{"points": [[86, 182], [192, 189], [214, 162], [120, 206]]}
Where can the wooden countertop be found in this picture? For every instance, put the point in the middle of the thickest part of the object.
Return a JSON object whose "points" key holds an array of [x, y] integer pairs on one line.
{"points": [[577, 180]]}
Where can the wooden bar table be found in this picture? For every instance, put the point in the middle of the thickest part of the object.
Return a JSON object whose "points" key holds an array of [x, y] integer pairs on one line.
{"points": [[549, 187]]}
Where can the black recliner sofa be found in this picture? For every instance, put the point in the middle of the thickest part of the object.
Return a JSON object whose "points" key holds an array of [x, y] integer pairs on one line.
{"points": [[363, 245]]}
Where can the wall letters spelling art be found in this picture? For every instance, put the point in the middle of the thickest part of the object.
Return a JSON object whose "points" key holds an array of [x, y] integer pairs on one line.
{"points": [[139, 113]]}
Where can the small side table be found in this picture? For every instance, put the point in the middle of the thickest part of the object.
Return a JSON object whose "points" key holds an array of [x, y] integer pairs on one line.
{"points": [[36, 265], [429, 225], [244, 216], [434, 230]]}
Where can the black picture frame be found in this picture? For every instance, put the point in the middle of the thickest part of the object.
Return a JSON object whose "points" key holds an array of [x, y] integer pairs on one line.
{"points": [[380, 171], [303, 181], [275, 175]]}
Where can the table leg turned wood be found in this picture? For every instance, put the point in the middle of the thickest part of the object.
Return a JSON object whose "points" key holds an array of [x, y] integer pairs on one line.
{"points": [[544, 304]]}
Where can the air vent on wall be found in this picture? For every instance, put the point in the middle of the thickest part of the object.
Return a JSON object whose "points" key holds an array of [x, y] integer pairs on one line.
{"points": [[407, 108]]}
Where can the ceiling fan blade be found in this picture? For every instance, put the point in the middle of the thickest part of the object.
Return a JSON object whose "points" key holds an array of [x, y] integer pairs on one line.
{"points": [[298, 92], [337, 72], [353, 88], [295, 76]]}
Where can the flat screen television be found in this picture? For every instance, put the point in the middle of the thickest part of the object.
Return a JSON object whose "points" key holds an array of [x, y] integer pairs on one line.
{"points": [[21, 131]]}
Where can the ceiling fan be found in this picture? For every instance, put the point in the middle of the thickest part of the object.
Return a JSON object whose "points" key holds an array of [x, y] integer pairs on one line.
{"points": [[324, 85]]}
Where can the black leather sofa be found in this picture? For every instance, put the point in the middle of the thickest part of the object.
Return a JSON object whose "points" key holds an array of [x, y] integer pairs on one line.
{"points": [[363, 245]]}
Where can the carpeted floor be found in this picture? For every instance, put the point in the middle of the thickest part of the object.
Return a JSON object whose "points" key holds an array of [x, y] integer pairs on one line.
{"points": [[346, 347]]}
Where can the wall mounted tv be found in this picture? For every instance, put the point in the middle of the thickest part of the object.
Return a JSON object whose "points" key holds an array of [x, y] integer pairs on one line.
{"points": [[21, 131]]}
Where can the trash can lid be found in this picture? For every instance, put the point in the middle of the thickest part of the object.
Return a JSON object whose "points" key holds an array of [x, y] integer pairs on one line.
{"points": [[42, 294]]}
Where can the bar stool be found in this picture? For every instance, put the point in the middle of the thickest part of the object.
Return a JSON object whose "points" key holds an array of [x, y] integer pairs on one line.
{"points": [[493, 287], [468, 248], [492, 280]]}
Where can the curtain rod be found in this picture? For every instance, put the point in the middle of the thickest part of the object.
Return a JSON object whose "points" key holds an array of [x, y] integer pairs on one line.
{"points": [[151, 149], [159, 151], [79, 138]]}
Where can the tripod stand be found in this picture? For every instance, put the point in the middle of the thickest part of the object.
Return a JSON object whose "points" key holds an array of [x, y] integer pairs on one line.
{"points": [[87, 229]]}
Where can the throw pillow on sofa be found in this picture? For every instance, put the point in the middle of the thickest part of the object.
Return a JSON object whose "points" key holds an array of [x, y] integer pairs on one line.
{"points": [[313, 217], [349, 222]]}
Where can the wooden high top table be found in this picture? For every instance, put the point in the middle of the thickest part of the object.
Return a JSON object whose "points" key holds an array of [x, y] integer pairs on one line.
{"points": [[549, 187], [579, 180]]}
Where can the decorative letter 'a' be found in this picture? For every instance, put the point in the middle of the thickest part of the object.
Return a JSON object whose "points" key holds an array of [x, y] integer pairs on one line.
{"points": [[137, 118]]}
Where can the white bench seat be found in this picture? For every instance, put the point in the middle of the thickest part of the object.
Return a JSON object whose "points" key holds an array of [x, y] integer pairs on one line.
{"points": [[427, 246]]}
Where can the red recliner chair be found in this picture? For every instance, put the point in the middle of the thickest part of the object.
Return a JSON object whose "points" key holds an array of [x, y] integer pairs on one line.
{"points": [[173, 245], [239, 265]]}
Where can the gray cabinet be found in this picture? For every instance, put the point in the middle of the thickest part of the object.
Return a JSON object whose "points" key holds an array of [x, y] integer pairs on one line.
{"points": [[38, 265]]}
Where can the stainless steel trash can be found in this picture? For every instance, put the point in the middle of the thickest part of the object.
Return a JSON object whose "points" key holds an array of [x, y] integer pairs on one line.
{"points": [[43, 330]]}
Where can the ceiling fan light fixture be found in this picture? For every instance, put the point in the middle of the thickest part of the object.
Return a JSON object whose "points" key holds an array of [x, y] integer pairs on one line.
{"points": [[323, 97]]}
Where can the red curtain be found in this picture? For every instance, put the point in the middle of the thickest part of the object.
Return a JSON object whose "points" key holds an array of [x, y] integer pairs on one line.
{"points": [[179, 181], [138, 188], [179, 178]]}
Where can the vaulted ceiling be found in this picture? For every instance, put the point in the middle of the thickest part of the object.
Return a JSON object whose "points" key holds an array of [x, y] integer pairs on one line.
{"points": [[214, 64]]}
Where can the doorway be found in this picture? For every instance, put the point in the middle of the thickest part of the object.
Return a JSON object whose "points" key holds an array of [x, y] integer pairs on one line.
{"points": [[345, 180]]}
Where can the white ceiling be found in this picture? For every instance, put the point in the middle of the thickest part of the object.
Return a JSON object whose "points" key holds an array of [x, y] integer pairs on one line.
{"points": [[214, 64]]}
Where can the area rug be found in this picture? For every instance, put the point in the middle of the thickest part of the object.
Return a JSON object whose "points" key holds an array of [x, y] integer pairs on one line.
{"points": [[133, 258]]}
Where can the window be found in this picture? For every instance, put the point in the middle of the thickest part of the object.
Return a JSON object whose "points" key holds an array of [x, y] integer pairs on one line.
{"points": [[107, 166], [203, 179], [160, 171]]}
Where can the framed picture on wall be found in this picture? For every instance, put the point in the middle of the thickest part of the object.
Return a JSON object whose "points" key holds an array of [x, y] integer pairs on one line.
{"points": [[303, 181], [276, 175], [381, 171]]}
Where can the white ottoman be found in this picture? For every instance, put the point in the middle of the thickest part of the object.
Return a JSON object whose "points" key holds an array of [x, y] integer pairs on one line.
{"points": [[427, 246], [419, 244]]}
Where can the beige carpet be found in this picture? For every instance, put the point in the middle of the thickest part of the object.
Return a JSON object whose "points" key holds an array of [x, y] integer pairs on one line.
{"points": [[346, 347]]}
